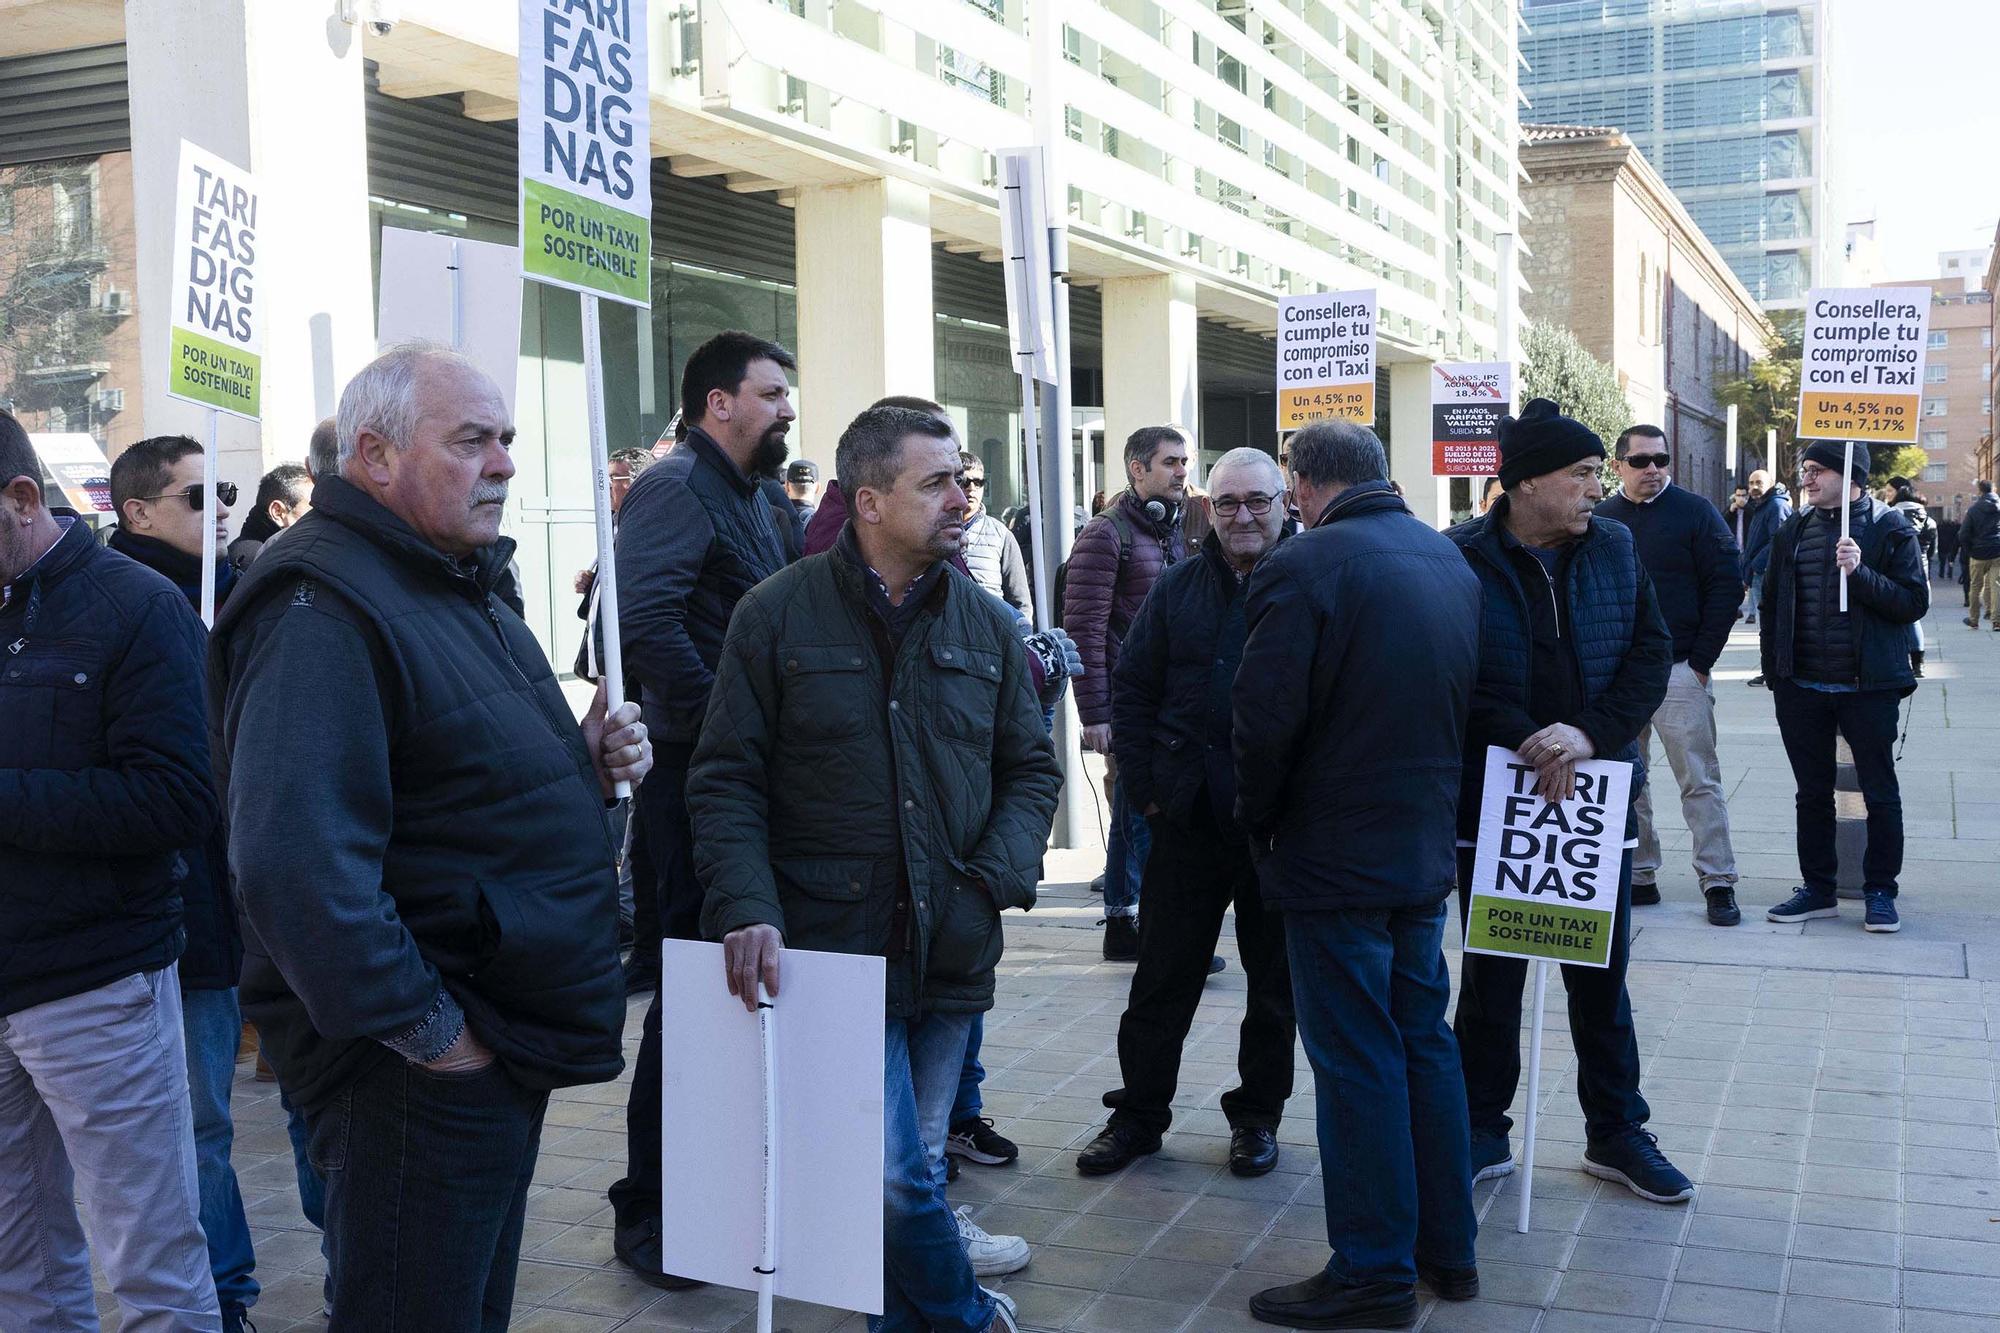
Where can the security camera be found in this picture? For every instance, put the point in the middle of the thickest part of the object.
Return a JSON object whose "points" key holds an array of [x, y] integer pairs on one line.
{"points": [[382, 16]]}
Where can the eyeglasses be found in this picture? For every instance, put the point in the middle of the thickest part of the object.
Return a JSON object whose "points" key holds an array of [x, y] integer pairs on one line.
{"points": [[1258, 505], [972, 483], [197, 495], [1643, 461]]}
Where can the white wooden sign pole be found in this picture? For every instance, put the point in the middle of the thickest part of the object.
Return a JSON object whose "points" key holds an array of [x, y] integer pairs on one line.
{"points": [[1846, 480], [606, 586], [1534, 1094], [211, 506], [767, 1264]]}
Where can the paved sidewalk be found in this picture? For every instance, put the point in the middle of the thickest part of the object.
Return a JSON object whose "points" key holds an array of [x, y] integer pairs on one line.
{"points": [[1832, 1092]]}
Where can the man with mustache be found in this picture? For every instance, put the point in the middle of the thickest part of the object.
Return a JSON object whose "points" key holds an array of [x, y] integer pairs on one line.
{"points": [[695, 533], [420, 849], [1573, 662]]}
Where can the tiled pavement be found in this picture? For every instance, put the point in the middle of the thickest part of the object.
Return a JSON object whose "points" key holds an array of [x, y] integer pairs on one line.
{"points": [[1832, 1093]]}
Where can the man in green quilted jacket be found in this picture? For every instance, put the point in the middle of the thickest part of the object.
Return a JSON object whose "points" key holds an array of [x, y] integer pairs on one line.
{"points": [[873, 777]]}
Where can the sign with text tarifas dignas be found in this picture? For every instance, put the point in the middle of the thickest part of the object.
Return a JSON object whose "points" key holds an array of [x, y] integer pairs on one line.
{"points": [[586, 155], [1326, 358], [1468, 398], [1545, 876], [1862, 373], [218, 317]]}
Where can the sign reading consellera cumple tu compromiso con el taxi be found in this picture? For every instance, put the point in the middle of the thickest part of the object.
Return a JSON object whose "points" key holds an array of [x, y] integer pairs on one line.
{"points": [[585, 150], [1861, 370]]}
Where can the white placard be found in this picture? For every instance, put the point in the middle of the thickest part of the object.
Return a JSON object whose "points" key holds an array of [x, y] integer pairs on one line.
{"points": [[1326, 358], [77, 463], [465, 294], [217, 324], [829, 1067], [1861, 370]]}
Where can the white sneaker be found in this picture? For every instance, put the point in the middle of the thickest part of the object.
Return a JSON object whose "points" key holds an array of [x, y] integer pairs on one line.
{"points": [[1005, 1320], [991, 1256]]}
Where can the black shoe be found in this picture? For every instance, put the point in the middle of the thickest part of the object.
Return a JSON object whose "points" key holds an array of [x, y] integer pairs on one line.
{"points": [[1252, 1151], [236, 1319], [1217, 963], [950, 1168], [1917, 665], [1451, 1284], [1633, 1159], [638, 1248], [641, 974], [1645, 895], [1114, 1150], [1320, 1302], [1757, 679], [1492, 1156], [1121, 939], [1722, 908], [977, 1141]]}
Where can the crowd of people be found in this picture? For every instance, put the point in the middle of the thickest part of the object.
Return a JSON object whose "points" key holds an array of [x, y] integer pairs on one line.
{"points": [[359, 813]]}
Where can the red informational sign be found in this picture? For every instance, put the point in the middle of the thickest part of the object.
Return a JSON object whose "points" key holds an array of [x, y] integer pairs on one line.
{"points": [[1467, 401]]}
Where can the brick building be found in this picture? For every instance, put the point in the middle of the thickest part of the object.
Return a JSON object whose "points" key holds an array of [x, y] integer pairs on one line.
{"points": [[1957, 411]]}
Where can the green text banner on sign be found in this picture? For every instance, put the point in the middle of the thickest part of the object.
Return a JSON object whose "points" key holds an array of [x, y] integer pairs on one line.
{"points": [[1545, 876], [218, 319], [586, 158]]}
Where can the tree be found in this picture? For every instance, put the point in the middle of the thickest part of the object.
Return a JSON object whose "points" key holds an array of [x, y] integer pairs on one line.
{"points": [[1902, 460], [1554, 365], [1766, 396]]}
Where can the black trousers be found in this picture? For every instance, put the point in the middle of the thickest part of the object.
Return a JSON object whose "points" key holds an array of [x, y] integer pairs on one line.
{"points": [[1808, 720], [669, 844], [1193, 875], [1488, 1024]]}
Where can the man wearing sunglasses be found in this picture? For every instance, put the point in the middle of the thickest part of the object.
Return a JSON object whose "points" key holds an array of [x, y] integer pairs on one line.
{"points": [[162, 507], [1686, 548], [992, 556]]}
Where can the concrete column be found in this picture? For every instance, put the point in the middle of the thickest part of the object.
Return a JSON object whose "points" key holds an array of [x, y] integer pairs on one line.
{"points": [[1151, 374], [276, 88], [866, 325], [1409, 442]]}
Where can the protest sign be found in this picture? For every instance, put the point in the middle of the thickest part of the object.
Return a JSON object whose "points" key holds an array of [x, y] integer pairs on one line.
{"points": [[77, 463], [1326, 358], [1862, 364], [1545, 876], [217, 319], [1468, 398], [824, 1113], [463, 293], [586, 152]]}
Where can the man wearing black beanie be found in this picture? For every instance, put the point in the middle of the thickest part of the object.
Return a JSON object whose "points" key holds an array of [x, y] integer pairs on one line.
{"points": [[1573, 663], [1833, 672]]}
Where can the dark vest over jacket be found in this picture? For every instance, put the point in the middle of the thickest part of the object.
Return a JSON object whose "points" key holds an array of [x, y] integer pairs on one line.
{"points": [[1803, 634], [1350, 708], [694, 535], [834, 796], [1603, 603], [104, 775], [411, 804]]}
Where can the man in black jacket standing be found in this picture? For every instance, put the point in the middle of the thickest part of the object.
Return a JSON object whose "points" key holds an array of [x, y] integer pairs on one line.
{"points": [[156, 488], [695, 533], [1693, 562], [1171, 729], [430, 905], [104, 781], [1573, 661], [1979, 542], [1349, 719], [1842, 672]]}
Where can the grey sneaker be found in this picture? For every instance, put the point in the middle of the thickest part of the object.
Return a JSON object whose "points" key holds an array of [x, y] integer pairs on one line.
{"points": [[1005, 1318], [991, 1256]]}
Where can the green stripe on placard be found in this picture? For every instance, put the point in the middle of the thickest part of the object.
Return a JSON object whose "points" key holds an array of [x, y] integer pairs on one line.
{"points": [[580, 243], [215, 374], [1553, 931]]}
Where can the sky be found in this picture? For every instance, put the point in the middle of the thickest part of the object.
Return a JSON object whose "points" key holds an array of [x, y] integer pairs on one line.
{"points": [[1915, 106]]}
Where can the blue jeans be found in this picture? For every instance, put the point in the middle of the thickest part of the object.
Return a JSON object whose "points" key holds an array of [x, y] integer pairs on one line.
{"points": [[967, 1105], [927, 1282], [1125, 851], [212, 1026], [1371, 990]]}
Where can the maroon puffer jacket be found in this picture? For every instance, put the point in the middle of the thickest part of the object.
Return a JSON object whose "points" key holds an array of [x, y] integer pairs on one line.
{"points": [[1100, 597]]}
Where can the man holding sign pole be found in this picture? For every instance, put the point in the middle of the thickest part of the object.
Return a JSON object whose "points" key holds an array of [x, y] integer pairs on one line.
{"points": [[1348, 720], [1573, 663], [1842, 672]]}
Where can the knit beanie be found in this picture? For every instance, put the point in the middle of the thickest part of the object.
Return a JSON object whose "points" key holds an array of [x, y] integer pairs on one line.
{"points": [[1829, 455], [1542, 440]]}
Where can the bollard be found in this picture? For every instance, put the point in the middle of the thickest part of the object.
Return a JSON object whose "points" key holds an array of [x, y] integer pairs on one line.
{"points": [[1850, 815]]}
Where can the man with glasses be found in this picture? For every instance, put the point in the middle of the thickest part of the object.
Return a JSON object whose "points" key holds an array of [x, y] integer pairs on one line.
{"points": [[1171, 724], [162, 505], [1842, 672], [992, 556], [1685, 547]]}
